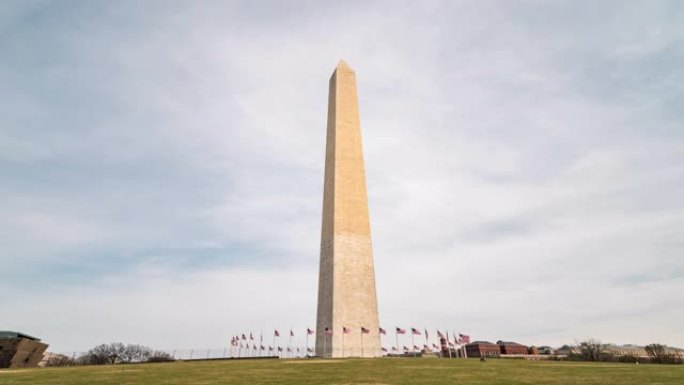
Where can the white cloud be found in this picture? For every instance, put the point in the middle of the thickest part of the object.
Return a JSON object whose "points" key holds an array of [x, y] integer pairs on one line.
{"points": [[523, 160]]}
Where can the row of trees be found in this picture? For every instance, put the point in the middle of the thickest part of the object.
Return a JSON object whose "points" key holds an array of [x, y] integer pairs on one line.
{"points": [[594, 350], [114, 353]]}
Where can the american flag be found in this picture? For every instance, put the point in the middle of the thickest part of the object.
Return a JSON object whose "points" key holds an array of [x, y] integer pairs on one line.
{"points": [[415, 331], [276, 333], [328, 331], [415, 347], [406, 349], [345, 330], [289, 350], [262, 347], [243, 336], [310, 350], [426, 334], [291, 333], [254, 347], [384, 350], [270, 348], [280, 349], [394, 348], [251, 337], [364, 330], [426, 347], [383, 331], [464, 338], [309, 331], [401, 331], [439, 334], [434, 346]]}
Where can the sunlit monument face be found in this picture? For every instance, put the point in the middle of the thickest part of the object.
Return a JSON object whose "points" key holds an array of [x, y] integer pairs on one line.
{"points": [[346, 287]]}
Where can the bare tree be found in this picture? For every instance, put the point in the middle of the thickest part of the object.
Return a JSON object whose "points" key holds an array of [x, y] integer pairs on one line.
{"points": [[117, 352], [592, 349], [660, 354], [135, 353]]}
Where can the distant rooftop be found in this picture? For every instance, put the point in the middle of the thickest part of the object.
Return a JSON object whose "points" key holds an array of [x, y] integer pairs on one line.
{"points": [[10, 334]]}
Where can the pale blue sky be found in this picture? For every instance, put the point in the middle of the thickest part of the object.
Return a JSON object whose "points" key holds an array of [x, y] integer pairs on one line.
{"points": [[161, 166]]}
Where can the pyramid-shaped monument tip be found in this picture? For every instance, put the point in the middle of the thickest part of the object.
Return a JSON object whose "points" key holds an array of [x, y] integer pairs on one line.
{"points": [[342, 65]]}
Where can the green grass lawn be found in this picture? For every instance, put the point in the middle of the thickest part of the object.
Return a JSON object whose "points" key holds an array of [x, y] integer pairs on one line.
{"points": [[352, 371]]}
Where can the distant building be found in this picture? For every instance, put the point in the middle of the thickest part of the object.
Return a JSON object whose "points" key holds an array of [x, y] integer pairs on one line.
{"points": [[533, 350], [567, 350], [18, 350], [546, 350], [482, 349], [510, 348], [626, 350]]}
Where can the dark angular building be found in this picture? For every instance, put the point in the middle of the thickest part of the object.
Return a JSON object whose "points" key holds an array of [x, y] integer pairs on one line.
{"points": [[19, 350], [482, 349], [511, 348]]}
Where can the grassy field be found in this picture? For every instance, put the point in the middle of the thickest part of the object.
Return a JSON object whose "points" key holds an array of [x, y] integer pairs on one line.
{"points": [[351, 371]]}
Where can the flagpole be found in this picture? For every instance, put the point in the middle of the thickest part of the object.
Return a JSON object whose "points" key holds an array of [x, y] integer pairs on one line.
{"points": [[396, 335], [307, 341], [380, 336], [362, 342], [291, 355], [343, 333], [325, 342], [447, 339]]}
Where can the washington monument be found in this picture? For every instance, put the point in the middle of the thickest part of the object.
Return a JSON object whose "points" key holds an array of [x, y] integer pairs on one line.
{"points": [[347, 321]]}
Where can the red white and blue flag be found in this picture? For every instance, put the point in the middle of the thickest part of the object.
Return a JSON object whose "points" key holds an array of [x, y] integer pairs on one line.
{"points": [[276, 333], [345, 330], [383, 331], [309, 331], [328, 331], [401, 331], [415, 331], [364, 330]]}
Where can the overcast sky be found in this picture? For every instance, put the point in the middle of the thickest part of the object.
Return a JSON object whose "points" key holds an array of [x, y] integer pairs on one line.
{"points": [[161, 167]]}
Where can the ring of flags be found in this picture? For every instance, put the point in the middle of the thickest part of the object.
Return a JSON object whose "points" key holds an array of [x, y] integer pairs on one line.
{"points": [[242, 341]]}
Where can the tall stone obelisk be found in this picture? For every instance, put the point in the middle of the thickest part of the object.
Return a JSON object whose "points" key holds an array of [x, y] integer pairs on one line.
{"points": [[346, 285]]}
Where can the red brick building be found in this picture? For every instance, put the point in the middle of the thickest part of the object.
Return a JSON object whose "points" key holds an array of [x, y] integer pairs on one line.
{"points": [[482, 349], [510, 348]]}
